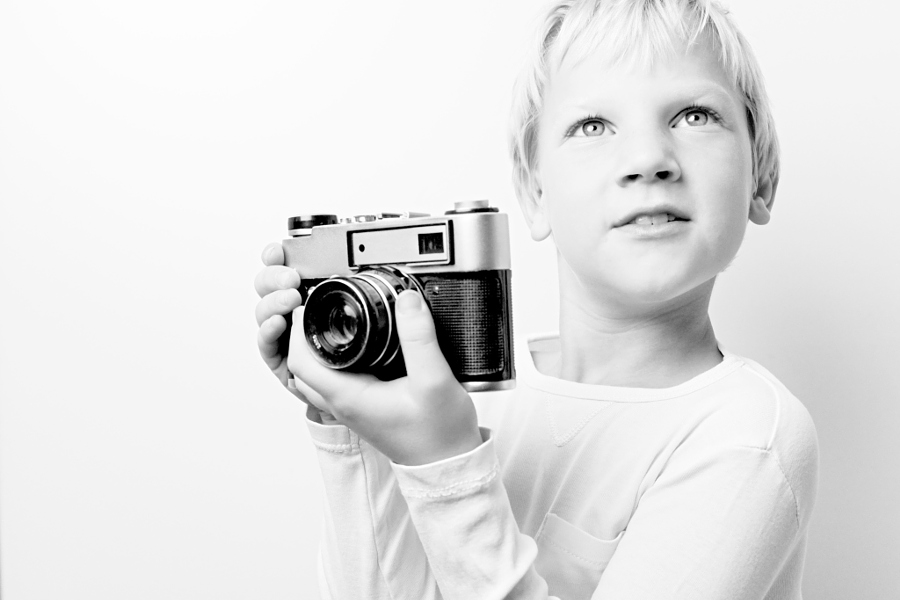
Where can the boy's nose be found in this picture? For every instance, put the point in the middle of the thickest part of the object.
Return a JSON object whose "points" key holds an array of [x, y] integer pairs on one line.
{"points": [[648, 158]]}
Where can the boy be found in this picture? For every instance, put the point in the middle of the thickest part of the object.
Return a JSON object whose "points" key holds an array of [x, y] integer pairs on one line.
{"points": [[636, 459]]}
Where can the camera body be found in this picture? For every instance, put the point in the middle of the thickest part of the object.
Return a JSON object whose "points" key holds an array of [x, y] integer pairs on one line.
{"points": [[352, 270]]}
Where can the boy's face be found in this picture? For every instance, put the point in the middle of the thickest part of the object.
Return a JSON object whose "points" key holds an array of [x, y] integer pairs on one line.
{"points": [[646, 174]]}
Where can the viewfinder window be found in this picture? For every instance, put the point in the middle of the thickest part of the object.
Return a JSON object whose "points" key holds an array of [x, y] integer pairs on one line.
{"points": [[431, 243]]}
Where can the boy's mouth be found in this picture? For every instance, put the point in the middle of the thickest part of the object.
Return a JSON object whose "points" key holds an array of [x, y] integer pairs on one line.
{"points": [[655, 218]]}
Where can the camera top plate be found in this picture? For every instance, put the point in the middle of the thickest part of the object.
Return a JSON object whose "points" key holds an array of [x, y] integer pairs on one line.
{"points": [[472, 237]]}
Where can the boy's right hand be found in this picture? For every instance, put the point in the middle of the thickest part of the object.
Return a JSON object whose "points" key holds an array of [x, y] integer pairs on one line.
{"points": [[277, 287]]}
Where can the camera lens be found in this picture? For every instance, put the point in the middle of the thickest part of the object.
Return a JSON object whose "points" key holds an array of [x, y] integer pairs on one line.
{"points": [[343, 319], [336, 322], [349, 321], [342, 323]]}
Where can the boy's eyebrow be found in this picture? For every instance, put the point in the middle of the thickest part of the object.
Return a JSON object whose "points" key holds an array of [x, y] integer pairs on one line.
{"points": [[684, 94], [706, 90]]}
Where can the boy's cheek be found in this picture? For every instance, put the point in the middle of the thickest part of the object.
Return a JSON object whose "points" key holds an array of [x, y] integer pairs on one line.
{"points": [[575, 186]]}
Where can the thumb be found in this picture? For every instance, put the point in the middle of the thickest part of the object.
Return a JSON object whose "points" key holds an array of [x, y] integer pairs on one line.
{"points": [[425, 363]]}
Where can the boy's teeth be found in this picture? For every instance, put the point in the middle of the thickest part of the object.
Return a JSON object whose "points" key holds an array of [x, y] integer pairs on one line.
{"points": [[657, 219]]}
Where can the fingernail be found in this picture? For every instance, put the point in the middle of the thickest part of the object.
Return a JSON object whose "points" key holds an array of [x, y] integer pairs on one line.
{"points": [[409, 302], [288, 296]]}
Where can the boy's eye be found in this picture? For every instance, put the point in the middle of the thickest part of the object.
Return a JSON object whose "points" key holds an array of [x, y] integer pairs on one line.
{"points": [[593, 128], [590, 126], [696, 117]]}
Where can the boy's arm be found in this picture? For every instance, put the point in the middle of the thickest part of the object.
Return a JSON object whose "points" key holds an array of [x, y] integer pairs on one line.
{"points": [[462, 514], [369, 547]]}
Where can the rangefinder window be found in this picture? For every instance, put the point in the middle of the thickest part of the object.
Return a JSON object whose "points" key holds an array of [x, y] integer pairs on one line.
{"points": [[431, 243]]}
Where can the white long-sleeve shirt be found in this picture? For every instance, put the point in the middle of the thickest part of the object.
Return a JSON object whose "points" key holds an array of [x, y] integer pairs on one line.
{"points": [[702, 490]]}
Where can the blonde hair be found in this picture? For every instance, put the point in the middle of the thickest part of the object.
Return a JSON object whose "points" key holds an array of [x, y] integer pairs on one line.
{"points": [[642, 30]]}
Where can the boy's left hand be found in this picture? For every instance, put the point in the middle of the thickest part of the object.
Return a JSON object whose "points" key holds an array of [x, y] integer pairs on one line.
{"points": [[421, 418]]}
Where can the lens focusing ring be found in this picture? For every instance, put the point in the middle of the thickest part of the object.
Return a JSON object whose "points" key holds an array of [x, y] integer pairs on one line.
{"points": [[393, 281], [389, 305], [376, 343]]}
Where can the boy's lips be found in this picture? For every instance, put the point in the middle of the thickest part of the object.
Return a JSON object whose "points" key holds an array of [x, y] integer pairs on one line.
{"points": [[652, 216]]}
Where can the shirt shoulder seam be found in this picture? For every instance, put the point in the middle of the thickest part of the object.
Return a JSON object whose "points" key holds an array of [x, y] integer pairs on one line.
{"points": [[776, 398], [774, 456]]}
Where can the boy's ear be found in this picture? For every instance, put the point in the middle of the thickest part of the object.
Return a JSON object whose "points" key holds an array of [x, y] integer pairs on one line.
{"points": [[762, 200], [532, 203]]}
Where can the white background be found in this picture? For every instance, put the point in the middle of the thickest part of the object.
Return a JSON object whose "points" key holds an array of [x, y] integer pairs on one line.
{"points": [[148, 152]]}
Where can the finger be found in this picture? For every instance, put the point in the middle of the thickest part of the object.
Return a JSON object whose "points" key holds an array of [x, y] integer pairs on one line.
{"points": [[281, 302], [273, 254], [425, 363], [269, 333], [275, 278], [267, 339], [330, 383]]}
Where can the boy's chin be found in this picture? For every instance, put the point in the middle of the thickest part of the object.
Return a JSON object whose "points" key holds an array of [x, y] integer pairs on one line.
{"points": [[643, 290], [650, 296]]}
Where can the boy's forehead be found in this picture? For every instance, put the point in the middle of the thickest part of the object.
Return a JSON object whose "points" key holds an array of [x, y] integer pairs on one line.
{"points": [[688, 69]]}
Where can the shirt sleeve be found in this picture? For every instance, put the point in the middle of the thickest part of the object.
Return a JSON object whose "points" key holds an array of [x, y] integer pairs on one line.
{"points": [[369, 548], [462, 513]]}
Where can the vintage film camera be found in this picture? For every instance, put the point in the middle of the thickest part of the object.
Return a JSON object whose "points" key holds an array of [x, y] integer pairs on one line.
{"points": [[352, 270]]}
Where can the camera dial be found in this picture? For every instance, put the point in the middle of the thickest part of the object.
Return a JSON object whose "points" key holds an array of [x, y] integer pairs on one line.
{"points": [[303, 224], [471, 206]]}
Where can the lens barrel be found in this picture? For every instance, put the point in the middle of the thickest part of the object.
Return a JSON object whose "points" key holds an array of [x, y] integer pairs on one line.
{"points": [[349, 321]]}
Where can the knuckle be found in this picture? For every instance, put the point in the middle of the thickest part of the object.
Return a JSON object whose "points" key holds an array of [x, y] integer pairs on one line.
{"points": [[272, 328], [277, 303], [271, 305], [287, 278], [278, 278], [289, 298], [274, 278], [259, 283]]}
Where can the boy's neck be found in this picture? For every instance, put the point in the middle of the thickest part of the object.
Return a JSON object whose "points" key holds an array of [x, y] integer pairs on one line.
{"points": [[654, 347]]}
